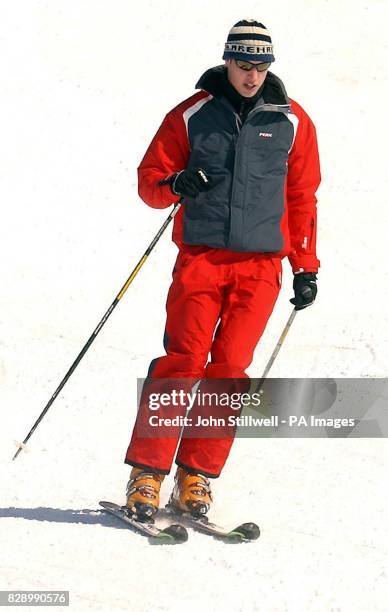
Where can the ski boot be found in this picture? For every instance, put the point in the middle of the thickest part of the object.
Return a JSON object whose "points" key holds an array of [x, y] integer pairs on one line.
{"points": [[143, 494], [191, 493]]}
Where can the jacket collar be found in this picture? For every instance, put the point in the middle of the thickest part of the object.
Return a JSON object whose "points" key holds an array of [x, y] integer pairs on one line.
{"points": [[273, 92]]}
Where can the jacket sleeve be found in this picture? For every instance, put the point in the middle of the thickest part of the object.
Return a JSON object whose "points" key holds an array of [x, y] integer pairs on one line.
{"points": [[168, 153], [302, 182]]}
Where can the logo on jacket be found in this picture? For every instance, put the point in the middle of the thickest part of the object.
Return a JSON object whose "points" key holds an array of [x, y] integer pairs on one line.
{"points": [[265, 135]]}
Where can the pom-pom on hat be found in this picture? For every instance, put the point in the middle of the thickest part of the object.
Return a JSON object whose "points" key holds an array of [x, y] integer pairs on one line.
{"points": [[249, 40]]}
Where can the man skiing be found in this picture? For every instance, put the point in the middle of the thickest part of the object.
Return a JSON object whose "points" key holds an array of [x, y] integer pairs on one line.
{"points": [[243, 160]]}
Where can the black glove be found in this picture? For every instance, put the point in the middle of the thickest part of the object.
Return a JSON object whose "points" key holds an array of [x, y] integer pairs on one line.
{"points": [[190, 182], [305, 289]]}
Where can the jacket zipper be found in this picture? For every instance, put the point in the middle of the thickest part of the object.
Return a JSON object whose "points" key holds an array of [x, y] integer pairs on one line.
{"points": [[239, 125]]}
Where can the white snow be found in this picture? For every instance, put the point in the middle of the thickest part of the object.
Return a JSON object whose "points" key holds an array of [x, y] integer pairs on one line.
{"points": [[84, 87]]}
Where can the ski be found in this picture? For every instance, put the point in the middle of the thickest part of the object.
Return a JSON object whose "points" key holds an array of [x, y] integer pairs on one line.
{"points": [[173, 534], [246, 532]]}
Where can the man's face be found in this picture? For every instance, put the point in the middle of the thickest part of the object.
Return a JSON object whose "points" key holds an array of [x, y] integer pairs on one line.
{"points": [[246, 82]]}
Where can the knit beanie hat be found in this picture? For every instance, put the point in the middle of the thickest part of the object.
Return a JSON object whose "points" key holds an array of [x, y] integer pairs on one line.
{"points": [[249, 40]]}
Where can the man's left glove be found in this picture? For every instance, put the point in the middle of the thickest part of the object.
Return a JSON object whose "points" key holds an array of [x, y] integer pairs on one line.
{"points": [[305, 289]]}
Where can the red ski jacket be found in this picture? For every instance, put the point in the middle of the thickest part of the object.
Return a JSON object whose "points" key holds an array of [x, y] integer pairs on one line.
{"points": [[266, 172]]}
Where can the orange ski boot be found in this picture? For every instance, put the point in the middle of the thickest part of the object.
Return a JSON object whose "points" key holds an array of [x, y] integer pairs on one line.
{"points": [[191, 493], [143, 493]]}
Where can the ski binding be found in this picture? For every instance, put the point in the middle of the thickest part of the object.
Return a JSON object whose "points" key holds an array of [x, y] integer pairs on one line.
{"points": [[173, 534]]}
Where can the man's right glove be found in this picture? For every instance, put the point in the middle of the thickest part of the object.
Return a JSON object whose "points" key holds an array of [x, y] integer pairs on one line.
{"points": [[305, 289], [190, 182]]}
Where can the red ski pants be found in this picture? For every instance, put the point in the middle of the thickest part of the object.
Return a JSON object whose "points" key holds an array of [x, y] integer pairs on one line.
{"points": [[219, 303]]}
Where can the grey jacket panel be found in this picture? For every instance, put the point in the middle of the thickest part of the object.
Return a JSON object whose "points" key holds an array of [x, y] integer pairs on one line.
{"points": [[248, 165]]}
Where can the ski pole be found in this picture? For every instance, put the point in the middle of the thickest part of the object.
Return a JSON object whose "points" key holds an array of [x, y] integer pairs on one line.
{"points": [[142, 260], [307, 293], [276, 351]]}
